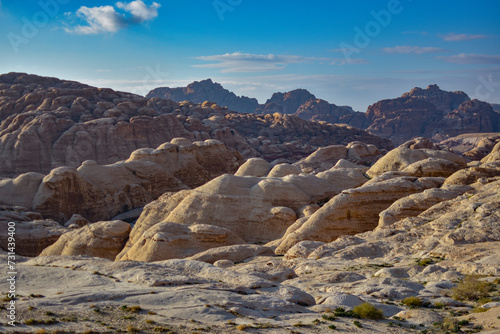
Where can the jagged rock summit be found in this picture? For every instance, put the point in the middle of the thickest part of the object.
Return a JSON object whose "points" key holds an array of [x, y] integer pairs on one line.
{"points": [[206, 90]]}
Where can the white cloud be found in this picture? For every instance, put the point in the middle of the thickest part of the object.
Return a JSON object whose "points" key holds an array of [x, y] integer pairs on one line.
{"points": [[452, 37], [245, 62], [472, 59], [106, 19], [139, 10], [412, 49]]}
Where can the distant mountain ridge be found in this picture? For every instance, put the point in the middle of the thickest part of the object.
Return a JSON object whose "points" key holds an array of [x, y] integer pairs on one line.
{"points": [[429, 112], [206, 90]]}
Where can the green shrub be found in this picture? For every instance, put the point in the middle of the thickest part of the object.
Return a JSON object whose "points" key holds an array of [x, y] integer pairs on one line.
{"points": [[332, 327], [368, 311], [470, 288], [357, 324], [328, 317], [412, 302], [341, 312]]}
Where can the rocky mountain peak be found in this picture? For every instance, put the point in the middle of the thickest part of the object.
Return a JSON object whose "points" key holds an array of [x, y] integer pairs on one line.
{"points": [[443, 100], [206, 90]]}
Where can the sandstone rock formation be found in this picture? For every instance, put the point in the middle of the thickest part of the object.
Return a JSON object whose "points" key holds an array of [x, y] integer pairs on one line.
{"points": [[421, 162], [285, 103], [431, 113], [48, 123], [353, 211], [31, 237], [473, 146], [101, 239], [206, 90], [168, 240], [101, 192], [256, 209]]}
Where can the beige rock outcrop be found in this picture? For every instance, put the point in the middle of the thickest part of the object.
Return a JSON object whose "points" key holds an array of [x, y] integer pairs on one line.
{"points": [[432, 167], [254, 167], [402, 157], [255, 209], [494, 155], [102, 239], [32, 237], [169, 240], [354, 210], [414, 204], [102, 191], [236, 253]]}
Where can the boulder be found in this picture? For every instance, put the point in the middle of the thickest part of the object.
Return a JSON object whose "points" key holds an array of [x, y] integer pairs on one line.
{"points": [[102, 239], [402, 157], [169, 240], [235, 253], [254, 167], [432, 167]]}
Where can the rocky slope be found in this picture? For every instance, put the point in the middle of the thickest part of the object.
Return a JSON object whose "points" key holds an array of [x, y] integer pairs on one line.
{"points": [[206, 90], [431, 113], [100, 192], [48, 123], [426, 239]]}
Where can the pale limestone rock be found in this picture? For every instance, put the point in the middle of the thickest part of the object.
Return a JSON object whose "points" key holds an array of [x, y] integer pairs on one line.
{"points": [[417, 317], [101, 239], [104, 191], [471, 175], [255, 209], [343, 163], [169, 240], [493, 156], [355, 210], [254, 167], [432, 167], [414, 204], [77, 220], [21, 190], [324, 158], [402, 157], [235, 253], [281, 170], [224, 264], [302, 249]]}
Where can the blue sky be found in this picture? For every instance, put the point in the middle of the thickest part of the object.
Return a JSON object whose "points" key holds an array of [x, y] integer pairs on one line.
{"points": [[346, 52]]}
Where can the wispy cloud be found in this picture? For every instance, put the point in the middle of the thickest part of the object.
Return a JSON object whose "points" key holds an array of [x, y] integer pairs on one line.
{"points": [[106, 19], [452, 37], [423, 33], [245, 62], [412, 49], [472, 59]]}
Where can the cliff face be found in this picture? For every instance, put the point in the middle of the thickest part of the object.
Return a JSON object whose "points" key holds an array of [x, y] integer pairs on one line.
{"points": [[432, 113], [206, 90], [285, 103]]}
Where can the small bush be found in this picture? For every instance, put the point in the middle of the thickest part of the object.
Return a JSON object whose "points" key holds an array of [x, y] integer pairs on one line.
{"points": [[242, 327], [425, 262], [368, 311], [471, 288], [357, 324], [328, 317], [132, 329], [412, 302], [332, 327], [341, 312]]}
